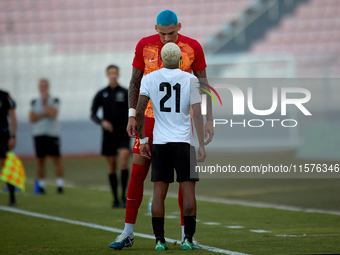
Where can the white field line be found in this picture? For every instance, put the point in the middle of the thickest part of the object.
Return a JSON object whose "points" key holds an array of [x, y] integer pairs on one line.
{"points": [[234, 227], [110, 229], [230, 201], [259, 231], [266, 205], [304, 235], [255, 204]]}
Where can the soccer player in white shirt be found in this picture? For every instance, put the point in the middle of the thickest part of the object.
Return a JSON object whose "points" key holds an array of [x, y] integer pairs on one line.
{"points": [[172, 92]]}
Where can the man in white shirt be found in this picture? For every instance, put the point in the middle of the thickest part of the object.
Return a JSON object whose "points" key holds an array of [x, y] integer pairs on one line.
{"points": [[172, 93], [43, 115]]}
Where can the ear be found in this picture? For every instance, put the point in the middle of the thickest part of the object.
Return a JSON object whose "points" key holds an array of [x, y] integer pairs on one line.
{"points": [[181, 58], [156, 28], [179, 26]]}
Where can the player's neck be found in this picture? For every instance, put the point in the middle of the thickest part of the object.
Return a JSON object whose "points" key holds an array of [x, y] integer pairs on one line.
{"points": [[113, 85], [171, 67], [176, 38], [44, 97]]}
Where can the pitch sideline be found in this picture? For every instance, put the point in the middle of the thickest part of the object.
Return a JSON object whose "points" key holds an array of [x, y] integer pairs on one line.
{"points": [[110, 229], [233, 202]]}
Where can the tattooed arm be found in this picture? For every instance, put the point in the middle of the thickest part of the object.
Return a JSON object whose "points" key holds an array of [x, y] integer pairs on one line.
{"points": [[141, 106], [134, 86], [202, 77], [208, 128], [198, 121]]}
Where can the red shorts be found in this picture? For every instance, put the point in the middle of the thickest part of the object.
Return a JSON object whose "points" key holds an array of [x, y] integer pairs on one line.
{"points": [[149, 124]]}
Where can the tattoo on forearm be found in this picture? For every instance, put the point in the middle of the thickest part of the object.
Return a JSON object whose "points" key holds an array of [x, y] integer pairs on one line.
{"points": [[140, 126], [209, 109], [141, 106], [134, 86], [202, 76]]}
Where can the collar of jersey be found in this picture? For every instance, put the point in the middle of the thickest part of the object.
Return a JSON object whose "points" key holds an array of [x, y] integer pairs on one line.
{"points": [[167, 70]]}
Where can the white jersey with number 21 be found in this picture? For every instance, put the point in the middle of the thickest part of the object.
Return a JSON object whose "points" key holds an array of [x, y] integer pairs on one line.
{"points": [[172, 92]]}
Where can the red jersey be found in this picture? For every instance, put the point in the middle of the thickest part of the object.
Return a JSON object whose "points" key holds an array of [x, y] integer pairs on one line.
{"points": [[148, 57]]}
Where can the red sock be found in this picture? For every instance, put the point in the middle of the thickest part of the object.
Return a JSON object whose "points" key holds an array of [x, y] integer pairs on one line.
{"points": [[135, 192], [180, 203]]}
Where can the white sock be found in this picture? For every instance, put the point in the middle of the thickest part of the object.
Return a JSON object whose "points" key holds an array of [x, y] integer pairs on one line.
{"points": [[183, 234], [128, 229], [42, 183], [59, 182]]}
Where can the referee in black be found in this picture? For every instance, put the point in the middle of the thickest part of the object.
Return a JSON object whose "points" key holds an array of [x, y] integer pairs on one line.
{"points": [[114, 101], [7, 135]]}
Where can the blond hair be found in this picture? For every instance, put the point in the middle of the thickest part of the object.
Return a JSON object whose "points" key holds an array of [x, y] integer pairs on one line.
{"points": [[171, 54]]}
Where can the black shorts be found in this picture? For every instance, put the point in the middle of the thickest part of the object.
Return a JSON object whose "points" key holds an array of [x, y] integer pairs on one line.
{"points": [[113, 141], [46, 146], [3, 145], [167, 157]]}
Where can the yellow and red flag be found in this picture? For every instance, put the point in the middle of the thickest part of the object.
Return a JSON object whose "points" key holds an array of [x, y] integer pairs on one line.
{"points": [[13, 171]]}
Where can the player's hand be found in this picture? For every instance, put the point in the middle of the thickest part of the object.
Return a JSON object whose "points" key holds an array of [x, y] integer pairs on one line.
{"points": [[107, 125], [131, 127], [208, 129], [201, 154], [11, 143], [145, 151]]}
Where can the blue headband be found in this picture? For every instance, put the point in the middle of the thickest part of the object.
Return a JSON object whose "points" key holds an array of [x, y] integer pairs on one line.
{"points": [[166, 18]]}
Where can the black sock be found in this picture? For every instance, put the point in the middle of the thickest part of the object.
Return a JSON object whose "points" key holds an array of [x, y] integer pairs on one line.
{"points": [[113, 183], [11, 192], [124, 179], [158, 228], [189, 227]]}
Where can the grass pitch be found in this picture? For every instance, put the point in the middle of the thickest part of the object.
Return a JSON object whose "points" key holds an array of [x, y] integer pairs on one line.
{"points": [[281, 231]]}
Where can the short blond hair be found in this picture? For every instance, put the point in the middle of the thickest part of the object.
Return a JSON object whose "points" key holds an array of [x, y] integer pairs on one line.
{"points": [[171, 53]]}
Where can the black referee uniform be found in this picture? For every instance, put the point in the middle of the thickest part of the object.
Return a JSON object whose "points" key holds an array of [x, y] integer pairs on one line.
{"points": [[6, 104], [114, 103]]}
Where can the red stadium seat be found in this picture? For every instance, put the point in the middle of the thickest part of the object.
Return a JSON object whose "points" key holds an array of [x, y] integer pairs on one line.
{"points": [[312, 30], [93, 22]]}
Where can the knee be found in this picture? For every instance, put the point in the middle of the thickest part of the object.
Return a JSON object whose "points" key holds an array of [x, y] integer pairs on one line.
{"points": [[124, 165], [139, 173], [188, 208]]}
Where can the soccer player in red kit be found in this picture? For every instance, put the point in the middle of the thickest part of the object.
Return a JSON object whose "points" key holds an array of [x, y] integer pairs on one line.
{"points": [[148, 59]]}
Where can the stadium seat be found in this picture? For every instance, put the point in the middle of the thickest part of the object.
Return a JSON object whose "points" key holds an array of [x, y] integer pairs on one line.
{"points": [[90, 24], [312, 30]]}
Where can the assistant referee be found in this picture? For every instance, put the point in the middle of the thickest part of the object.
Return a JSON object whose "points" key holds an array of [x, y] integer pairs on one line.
{"points": [[7, 135], [114, 101]]}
